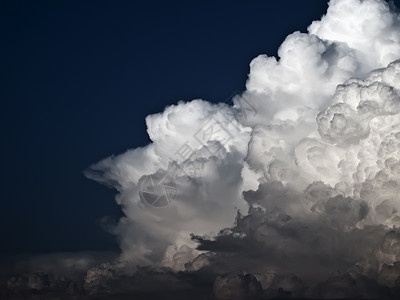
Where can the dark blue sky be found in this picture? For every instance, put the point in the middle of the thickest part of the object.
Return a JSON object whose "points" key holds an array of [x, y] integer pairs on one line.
{"points": [[78, 79]]}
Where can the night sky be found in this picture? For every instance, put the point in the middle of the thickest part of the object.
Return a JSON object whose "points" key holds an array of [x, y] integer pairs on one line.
{"points": [[78, 79]]}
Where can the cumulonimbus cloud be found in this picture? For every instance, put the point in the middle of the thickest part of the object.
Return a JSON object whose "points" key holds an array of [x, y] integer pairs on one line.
{"points": [[298, 174]]}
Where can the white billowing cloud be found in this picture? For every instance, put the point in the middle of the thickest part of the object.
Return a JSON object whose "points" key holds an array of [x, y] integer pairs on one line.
{"points": [[352, 39], [199, 148], [367, 26], [331, 202], [312, 143], [307, 72], [351, 146]]}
